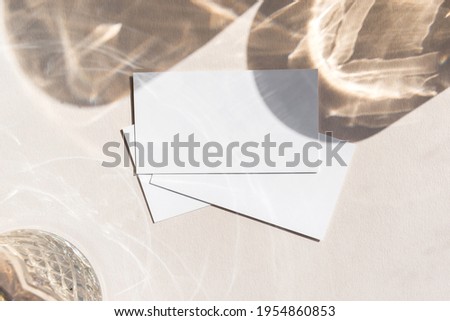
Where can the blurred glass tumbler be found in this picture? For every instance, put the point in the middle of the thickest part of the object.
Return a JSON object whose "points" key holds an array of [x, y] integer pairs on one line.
{"points": [[36, 265]]}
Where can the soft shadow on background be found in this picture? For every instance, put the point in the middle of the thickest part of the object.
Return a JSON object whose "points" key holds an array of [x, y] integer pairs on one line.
{"points": [[83, 52], [377, 59]]}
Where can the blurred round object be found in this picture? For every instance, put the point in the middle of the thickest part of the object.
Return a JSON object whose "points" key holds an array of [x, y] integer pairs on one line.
{"points": [[36, 265], [83, 52], [377, 59]]}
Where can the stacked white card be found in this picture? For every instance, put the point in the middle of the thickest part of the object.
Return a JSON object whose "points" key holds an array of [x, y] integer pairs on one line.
{"points": [[246, 141]]}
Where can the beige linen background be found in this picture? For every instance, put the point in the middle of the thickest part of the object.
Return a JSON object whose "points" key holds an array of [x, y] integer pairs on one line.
{"points": [[389, 237]]}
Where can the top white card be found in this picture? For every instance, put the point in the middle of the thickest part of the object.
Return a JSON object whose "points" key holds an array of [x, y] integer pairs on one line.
{"points": [[227, 122]]}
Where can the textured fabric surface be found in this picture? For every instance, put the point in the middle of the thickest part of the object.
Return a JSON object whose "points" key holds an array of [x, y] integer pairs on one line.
{"points": [[388, 239]]}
